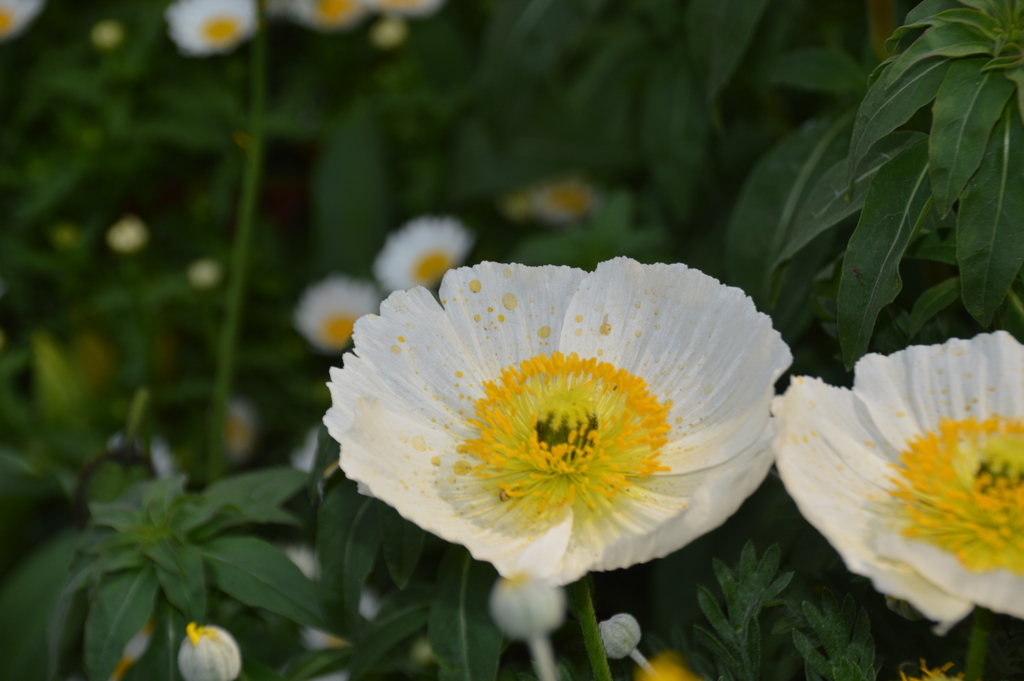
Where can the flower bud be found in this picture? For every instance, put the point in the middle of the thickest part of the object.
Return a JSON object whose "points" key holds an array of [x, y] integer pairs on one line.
{"points": [[205, 274], [209, 654], [525, 608], [107, 35], [388, 33], [128, 235], [620, 634]]}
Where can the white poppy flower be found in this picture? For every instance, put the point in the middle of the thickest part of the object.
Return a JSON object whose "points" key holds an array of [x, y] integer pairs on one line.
{"points": [[407, 8], [915, 475], [556, 421], [16, 15], [203, 27], [321, 15], [562, 202], [421, 252], [328, 311]]}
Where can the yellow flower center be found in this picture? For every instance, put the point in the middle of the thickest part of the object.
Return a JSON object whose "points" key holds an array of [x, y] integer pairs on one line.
{"points": [[221, 30], [399, 4], [560, 430], [937, 674], [197, 633], [431, 267], [336, 330], [668, 665], [331, 11], [6, 21], [570, 198], [962, 489]]}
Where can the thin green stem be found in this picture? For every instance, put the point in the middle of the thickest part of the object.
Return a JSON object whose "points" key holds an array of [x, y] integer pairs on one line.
{"points": [[584, 606], [979, 644], [239, 256]]}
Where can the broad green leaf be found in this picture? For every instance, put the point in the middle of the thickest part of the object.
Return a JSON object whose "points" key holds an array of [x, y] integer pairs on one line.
{"points": [[328, 452], [118, 609], [943, 40], [1016, 76], [896, 200], [384, 633], [933, 301], [820, 69], [67, 615], [464, 639], [160, 661], [972, 18], [938, 245], [316, 664], [921, 16], [258, 574], [402, 541], [966, 108], [180, 571], [347, 540], [720, 31], [886, 108], [253, 670], [990, 238], [265, 487]]}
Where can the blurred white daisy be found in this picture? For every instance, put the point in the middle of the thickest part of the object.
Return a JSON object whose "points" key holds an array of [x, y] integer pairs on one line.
{"points": [[321, 15], [128, 235], [328, 310], [205, 274], [556, 421], [408, 8], [389, 32], [133, 650], [162, 458], [203, 27], [562, 202], [241, 428], [421, 252], [107, 35], [916, 475], [16, 15]]}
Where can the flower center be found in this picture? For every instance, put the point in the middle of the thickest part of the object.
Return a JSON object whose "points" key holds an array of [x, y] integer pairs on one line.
{"points": [[336, 330], [6, 21], [962, 489], [221, 29], [400, 4], [559, 430], [331, 11], [431, 267], [570, 198]]}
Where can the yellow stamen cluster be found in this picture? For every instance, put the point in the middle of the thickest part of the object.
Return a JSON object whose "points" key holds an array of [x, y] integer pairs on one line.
{"points": [[336, 330], [962, 489], [560, 430], [937, 674], [221, 30], [431, 267], [6, 21]]}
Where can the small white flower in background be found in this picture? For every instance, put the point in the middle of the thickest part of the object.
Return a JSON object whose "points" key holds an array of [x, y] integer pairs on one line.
{"points": [[304, 558], [528, 609], [16, 15], [408, 8], [421, 252], [205, 274], [328, 310], [421, 653], [128, 235], [241, 428], [107, 35], [201, 28], [916, 475], [389, 32], [133, 650], [162, 458], [326, 16], [562, 202], [620, 635], [369, 603], [556, 421], [209, 654], [314, 639]]}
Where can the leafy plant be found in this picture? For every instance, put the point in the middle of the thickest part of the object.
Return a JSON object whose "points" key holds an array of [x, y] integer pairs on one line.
{"points": [[838, 644]]}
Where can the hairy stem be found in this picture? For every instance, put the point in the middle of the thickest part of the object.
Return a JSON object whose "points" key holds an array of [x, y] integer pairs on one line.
{"points": [[979, 644], [583, 603]]}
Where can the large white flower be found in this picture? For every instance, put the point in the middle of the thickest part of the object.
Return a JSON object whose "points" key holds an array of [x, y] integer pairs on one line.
{"points": [[16, 15], [328, 311], [915, 475], [408, 8], [203, 27], [321, 15], [421, 252], [556, 421]]}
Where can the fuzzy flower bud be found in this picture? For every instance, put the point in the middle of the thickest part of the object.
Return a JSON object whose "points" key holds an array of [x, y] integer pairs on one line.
{"points": [[205, 274], [389, 32], [525, 608], [107, 35], [620, 634], [209, 654], [128, 235]]}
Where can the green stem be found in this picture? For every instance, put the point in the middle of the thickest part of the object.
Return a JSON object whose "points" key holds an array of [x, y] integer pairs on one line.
{"points": [[239, 255], [136, 411], [584, 606], [979, 644]]}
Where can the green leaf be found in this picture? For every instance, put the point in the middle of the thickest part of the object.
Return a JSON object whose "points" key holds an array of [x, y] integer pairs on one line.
{"points": [[347, 539], [350, 195], [942, 40], [67, 615], [966, 108], [180, 571], [402, 542], [328, 451], [886, 108], [897, 199], [118, 609], [1013, 312], [921, 16], [720, 31], [255, 496], [465, 641], [933, 301], [253, 670], [384, 633], [160, 661], [938, 245], [820, 69], [258, 574], [319, 663], [1016, 76], [990, 238]]}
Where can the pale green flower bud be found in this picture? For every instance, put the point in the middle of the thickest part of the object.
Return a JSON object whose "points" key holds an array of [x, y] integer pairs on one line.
{"points": [[526, 608], [621, 635], [209, 654]]}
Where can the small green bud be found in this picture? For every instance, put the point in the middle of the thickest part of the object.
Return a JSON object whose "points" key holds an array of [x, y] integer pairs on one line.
{"points": [[209, 654], [620, 634]]}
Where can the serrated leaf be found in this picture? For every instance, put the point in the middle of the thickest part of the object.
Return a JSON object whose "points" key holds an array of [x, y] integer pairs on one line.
{"points": [[809, 651], [402, 542], [895, 202], [383, 634], [119, 608], [966, 109], [990, 241], [933, 301], [942, 40]]}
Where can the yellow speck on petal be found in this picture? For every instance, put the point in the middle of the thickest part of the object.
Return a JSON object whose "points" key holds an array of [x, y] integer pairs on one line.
{"points": [[458, 374], [544, 331], [462, 467], [401, 339], [900, 414], [222, 30], [436, 461], [476, 318], [579, 318], [606, 328], [395, 349], [501, 318], [638, 333], [419, 444], [507, 273], [578, 332], [510, 301], [475, 286]]}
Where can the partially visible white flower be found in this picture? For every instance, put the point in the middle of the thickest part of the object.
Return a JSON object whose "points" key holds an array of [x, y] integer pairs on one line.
{"points": [[205, 274], [204, 27], [564, 201], [133, 650], [209, 654], [528, 609], [16, 15], [321, 15], [107, 35], [162, 457], [421, 252], [304, 558], [389, 32], [128, 235], [328, 310], [409, 8], [369, 603], [304, 457], [241, 428]]}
